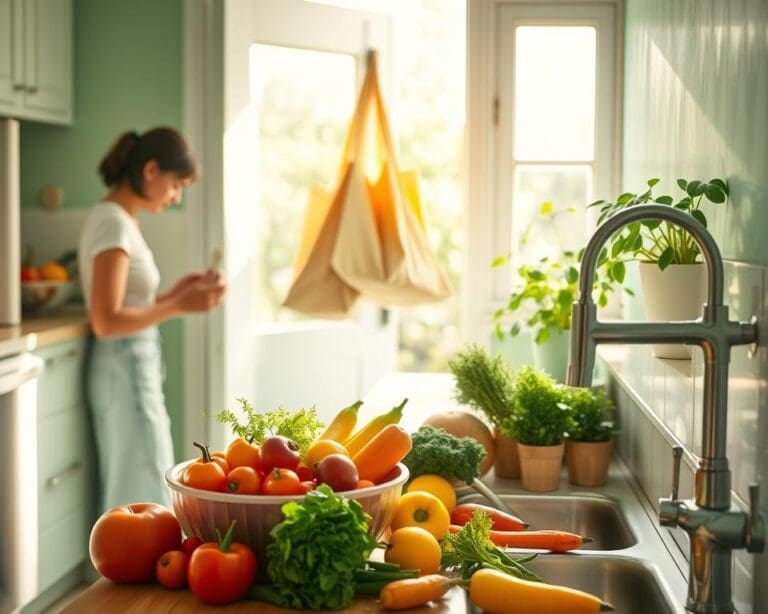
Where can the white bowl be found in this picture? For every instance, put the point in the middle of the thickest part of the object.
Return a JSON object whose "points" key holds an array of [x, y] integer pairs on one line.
{"points": [[45, 295], [201, 512]]}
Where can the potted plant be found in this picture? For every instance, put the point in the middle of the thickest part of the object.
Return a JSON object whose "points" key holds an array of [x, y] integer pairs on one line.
{"points": [[486, 384], [539, 422], [671, 275], [543, 299], [588, 445]]}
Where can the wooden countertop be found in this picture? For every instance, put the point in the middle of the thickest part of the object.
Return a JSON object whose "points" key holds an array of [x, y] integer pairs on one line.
{"points": [[38, 331], [105, 596]]}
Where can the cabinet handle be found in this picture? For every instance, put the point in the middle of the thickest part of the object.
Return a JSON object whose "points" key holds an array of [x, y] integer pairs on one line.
{"points": [[54, 360], [32, 89], [57, 479]]}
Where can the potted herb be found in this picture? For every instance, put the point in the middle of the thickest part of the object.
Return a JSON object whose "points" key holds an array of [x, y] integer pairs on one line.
{"points": [[539, 422], [671, 274], [588, 445], [543, 299], [486, 384]]}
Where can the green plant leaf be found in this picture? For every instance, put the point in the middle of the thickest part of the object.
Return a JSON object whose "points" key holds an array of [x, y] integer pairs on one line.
{"points": [[572, 275], [695, 188], [699, 217], [542, 335], [514, 330], [683, 184], [666, 257], [618, 271], [546, 208], [498, 261], [720, 184], [595, 203], [651, 224], [653, 182], [624, 198], [664, 200], [629, 291], [715, 193]]}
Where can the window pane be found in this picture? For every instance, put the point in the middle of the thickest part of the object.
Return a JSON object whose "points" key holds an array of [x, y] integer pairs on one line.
{"points": [[302, 101], [568, 188], [555, 92]]}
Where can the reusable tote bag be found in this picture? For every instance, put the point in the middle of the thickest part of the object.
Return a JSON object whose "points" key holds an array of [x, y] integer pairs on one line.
{"points": [[381, 246]]}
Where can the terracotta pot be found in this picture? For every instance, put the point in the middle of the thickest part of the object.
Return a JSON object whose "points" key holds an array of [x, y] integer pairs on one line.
{"points": [[507, 463], [540, 466], [588, 462]]}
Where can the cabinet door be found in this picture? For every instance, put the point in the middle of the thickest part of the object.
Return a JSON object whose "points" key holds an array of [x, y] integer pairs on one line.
{"points": [[11, 64], [48, 60]]}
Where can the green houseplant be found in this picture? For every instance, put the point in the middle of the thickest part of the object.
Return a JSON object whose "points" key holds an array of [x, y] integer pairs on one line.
{"points": [[671, 274], [486, 383], [542, 299], [539, 422], [588, 445]]}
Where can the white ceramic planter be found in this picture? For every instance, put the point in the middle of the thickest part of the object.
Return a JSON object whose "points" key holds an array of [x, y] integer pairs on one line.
{"points": [[552, 355], [676, 293]]}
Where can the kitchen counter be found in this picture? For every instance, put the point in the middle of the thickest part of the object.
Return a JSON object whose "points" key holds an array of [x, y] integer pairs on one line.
{"points": [[39, 331]]}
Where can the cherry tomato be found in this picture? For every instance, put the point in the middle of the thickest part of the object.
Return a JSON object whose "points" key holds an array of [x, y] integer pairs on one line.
{"points": [[338, 471], [241, 453], [281, 482], [305, 473], [206, 474], [363, 484], [190, 544], [218, 459], [172, 569], [244, 481], [306, 485], [221, 573], [279, 451]]}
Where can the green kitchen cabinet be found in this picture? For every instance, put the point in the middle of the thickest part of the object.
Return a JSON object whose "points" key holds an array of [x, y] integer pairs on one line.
{"points": [[36, 57]]}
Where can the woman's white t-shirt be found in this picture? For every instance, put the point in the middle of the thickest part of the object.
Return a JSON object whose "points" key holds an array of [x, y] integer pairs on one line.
{"points": [[109, 226]]}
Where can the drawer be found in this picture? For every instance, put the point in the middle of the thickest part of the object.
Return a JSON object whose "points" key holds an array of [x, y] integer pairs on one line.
{"points": [[61, 383], [62, 547], [66, 471]]}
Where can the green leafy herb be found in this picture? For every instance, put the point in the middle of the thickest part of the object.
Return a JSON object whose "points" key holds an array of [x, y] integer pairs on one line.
{"points": [[484, 382], [540, 417], [437, 451], [316, 551], [301, 426], [471, 549], [589, 414]]}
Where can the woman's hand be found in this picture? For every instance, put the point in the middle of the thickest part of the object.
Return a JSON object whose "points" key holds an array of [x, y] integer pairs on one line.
{"points": [[181, 284], [202, 294]]}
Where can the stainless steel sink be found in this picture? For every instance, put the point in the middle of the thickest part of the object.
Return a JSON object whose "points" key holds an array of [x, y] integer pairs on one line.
{"points": [[599, 518], [629, 585]]}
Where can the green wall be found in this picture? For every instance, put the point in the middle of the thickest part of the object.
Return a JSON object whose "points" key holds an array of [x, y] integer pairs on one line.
{"points": [[128, 75]]}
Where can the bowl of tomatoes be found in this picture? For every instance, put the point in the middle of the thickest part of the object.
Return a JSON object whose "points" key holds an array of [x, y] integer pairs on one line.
{"points": [[202, 512]]}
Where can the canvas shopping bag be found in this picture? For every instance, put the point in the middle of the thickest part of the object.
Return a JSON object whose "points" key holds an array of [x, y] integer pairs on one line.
{"points": [[381, 246], [316, 289]]}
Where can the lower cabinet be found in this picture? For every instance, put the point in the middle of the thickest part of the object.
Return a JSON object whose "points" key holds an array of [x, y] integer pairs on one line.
{"points": [[66, 474]]}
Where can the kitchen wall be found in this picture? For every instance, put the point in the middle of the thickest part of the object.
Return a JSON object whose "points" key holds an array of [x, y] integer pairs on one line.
{"points": [[696, 106], [128, 75]]}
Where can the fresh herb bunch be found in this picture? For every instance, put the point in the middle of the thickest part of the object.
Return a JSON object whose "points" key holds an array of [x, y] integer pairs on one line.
{"points": [[301, 426], [437, 451], [547, 289], [590, 412], [483, 382], [316, 550], [540, 417], [471, 549], [654, 240]]}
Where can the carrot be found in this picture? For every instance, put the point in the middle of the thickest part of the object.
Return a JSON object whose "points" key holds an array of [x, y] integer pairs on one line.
{"points": [[380, 455], [501, 521], [404, 594], [555, 541]]}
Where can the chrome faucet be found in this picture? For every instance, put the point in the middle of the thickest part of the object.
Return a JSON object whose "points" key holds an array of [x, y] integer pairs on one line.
{"points": [[713, 525]]}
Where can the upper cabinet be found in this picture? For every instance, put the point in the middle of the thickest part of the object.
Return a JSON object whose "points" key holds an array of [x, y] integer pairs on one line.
{"points": [[36, 39]]}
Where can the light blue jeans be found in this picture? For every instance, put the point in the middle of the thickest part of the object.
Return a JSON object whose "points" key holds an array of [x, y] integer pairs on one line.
{"points": [[131, 425]]}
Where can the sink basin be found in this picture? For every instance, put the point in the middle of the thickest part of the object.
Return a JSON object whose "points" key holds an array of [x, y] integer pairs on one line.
{"points": [[597, 517], [629, 585]]}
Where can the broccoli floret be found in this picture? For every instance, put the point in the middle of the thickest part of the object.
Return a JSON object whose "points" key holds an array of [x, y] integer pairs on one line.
{"points": [[437, 451]]}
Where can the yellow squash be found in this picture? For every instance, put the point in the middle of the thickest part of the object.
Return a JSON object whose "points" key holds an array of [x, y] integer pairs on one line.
{"points": [[356, 443], [496, 592], [342, 424]]}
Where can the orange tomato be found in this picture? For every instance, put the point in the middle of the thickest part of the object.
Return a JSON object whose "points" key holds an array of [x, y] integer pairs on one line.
{"points": [[244, 481], [364, 484], [207, 473], [172, 569], [53, 271], [241, 453], [281, 482], [127, 541]]}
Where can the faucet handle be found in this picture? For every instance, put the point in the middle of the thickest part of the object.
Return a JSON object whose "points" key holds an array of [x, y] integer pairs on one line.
{"points": [[677, 456], [756, 528]]}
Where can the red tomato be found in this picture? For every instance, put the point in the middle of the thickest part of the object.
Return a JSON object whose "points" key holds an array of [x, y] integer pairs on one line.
{"points": [[279, 451], [172, 569], [221, 573], [189, 544], [241, 453], [127, 541], [306, 485], [305, 473], [29, 273], [244, 481], [338, 471], [281, 482]]}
